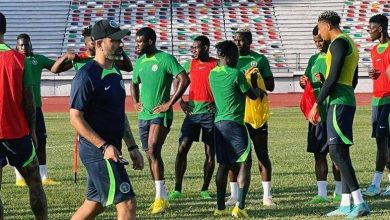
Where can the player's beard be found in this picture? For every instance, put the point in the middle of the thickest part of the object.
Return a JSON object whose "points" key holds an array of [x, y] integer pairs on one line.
{"points": [[194, 55], [142, 51], [114, 56], [375, 37]]}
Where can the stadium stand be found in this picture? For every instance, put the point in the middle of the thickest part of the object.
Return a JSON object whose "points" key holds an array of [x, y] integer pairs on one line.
{"points": [[259, 17], [189, 19], [83, 13], [193, 19], [355, 20], [154, 14], [45, 23], [281, 28], [296, 22]]}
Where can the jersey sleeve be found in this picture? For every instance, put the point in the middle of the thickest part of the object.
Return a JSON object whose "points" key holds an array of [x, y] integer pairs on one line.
{"points": [[46, 62], [243, 84], [27, 74], [81, 91], [187, 65], [264, 67], [173, 67]]}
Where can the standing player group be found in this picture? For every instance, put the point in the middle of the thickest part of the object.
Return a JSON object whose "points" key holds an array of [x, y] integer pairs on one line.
{"points": [[223, 106]]}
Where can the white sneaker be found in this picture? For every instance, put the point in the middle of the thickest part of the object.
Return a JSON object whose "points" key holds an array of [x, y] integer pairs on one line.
{"points": [[268, 202], [231, 202]]}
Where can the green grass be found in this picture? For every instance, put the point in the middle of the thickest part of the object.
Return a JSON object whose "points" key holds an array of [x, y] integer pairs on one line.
{"points": [[293, 180]]}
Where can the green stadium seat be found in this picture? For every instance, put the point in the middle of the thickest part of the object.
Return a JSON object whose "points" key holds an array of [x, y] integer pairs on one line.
{"points": [[347, 31]]}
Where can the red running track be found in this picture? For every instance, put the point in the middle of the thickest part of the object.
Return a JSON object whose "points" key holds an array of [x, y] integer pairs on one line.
{"points": [[278, 100]]}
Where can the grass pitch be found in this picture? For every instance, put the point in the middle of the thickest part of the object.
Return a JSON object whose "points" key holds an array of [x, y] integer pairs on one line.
{"points": [[293, 179]]}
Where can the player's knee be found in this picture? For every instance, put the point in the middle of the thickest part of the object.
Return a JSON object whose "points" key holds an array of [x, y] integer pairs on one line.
{"points": [[222, 173], [31, 173], [154, 154], [219, 180], [36, 190], [335, 154], [210, 161], [320, 157], [38, 199], [184, 147], [335, 167], [246, 165], [34, 180], [264, 162], [131, 205], [210, 158], [127, 208]]}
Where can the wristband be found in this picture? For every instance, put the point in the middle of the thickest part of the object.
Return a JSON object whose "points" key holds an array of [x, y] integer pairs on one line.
{"points": [[104, 147], [132, 148]]}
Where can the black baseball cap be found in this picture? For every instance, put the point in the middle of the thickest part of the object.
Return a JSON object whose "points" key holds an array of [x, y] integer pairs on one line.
{"points": [[106, 28]]}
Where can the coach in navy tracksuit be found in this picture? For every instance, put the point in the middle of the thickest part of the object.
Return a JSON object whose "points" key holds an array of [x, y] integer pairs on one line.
{"points": [[97, 103]]}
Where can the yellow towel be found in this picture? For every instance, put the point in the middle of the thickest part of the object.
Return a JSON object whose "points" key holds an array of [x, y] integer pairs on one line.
{"points": [[256, 111]]}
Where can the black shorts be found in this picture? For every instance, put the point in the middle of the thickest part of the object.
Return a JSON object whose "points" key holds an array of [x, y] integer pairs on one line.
{"points": [[317, 138], [144, 126], [253, 132], [339, 124], [192, 124], [40, 125], [232, 143], [19, 152], [380, 120]]}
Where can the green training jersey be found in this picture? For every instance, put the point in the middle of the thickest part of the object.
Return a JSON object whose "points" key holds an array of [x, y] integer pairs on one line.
{"points": [[255, 60], [343, 92], [186, 65], [228, 86], [156, 75], [4, 47], [37, 63], [317, 64]]}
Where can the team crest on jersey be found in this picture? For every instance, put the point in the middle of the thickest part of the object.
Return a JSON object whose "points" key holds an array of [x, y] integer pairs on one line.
{"points": [[124, 187], [122, 84], [154, 68], [34, 62], [113, 24], [253, 64]]}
